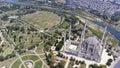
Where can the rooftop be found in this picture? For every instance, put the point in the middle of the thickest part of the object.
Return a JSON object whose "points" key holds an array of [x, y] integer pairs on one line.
{"points": [[91, 40]]}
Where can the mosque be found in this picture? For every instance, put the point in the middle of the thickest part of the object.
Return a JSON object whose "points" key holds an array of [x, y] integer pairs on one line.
{"points": [[90, 48]]}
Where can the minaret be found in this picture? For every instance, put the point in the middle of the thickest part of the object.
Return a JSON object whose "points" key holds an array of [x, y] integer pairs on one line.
{"points": [[77, 23], [83, 32], [70, 34], [64, 40], [82, 39], [103, 39]]}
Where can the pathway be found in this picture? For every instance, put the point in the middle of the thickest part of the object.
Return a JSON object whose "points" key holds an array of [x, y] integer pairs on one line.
{"points": [[67, 63]]}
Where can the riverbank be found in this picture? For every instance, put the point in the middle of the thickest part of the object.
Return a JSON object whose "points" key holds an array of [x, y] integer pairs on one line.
{"points": [[110, 29], [98, 31]]}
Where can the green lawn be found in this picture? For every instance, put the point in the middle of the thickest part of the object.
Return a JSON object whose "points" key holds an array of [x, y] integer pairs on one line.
{"points": [[114, 41], [30, 57], [40, 48], [7, 49], [38, 64], [96, 32], [16, 64], [27, 37], [99, 34], [42, 19]]}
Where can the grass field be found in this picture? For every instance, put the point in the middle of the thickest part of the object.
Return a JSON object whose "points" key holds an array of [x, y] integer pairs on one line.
{"points": [[99, 34], [38, 63], [16, 64], [31, 57], [42, 19], [7, 49], [7, 62], [27, 37], [40, 48]]}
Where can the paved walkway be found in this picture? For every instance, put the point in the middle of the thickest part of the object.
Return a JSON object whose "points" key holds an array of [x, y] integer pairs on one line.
{"points": [[41, 31], [67, 63], [2, 38], [23, 56], [40, 57], [21, 60]]}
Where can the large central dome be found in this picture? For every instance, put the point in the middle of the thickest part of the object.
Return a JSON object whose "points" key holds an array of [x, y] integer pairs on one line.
{"points": [[91, 41], [90, 49]]}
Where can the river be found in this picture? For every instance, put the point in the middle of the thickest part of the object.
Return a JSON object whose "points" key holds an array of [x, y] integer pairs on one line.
{"points": [[10, 1], [111, 30]]}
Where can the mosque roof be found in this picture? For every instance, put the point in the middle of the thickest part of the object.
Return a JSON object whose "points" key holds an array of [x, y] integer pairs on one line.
{"points": [[91, 40]]}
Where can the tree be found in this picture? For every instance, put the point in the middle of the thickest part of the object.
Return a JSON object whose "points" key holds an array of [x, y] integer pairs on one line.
{"points": [[22, 30], [75, 36], [83, 65], [50, 54], [0, 39], [96, 66], [115, 18], [77, 62], [103, 66], [53, 59], [1, 58], [4, 17], [61, 64], [83, 62], [105, 17], [12, 20], [95, 12], [14, 38], [91, 66], [15, 28], [1, 50], [109, 62], [60, 54], [47, 48], [59, 45]]}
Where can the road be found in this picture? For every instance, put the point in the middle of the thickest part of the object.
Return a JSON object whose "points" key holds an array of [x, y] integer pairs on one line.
{"points": [[39, 31], [21, 59], [14, 44], [16, 51], [34, 52]]}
